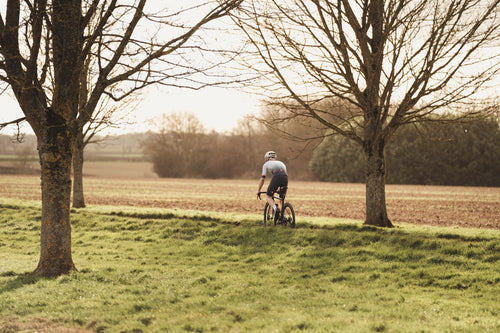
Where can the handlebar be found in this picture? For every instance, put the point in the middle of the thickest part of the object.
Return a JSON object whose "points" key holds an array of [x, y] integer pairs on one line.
{"points": [[274, 196]]}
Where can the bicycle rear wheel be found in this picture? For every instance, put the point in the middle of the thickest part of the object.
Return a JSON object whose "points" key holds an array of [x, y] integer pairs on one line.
{"points": [[268, 215], [288, 215]]}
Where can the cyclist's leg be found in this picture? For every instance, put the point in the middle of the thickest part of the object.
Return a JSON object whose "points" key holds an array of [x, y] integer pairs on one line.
{"points": [[271, 189], [283, 186], [280, 181], [270, 200]]}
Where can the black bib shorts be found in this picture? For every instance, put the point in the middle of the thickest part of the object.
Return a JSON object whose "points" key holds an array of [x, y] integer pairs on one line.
{"points": [[279, 180]]}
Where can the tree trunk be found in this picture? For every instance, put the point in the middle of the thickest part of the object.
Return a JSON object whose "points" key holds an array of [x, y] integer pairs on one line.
{"points": [[55, 160], [78, 198], [376, 211]]}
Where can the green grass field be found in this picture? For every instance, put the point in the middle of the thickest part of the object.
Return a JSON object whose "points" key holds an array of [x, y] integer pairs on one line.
{"points": [[168, 270]]}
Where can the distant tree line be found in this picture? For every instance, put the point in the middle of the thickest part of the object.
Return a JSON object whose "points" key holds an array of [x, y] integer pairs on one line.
{"points": [[427, 153], [182, 148], [15, 145]]}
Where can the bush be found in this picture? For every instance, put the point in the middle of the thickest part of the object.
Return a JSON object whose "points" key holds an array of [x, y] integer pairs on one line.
{"points": [[427, 153]]}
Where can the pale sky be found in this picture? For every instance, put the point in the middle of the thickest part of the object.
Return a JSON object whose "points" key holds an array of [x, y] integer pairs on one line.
{"points": [[217, 108]]}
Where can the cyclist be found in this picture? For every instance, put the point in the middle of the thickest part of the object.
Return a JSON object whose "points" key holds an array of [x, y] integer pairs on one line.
{"points": [[279, 179]]}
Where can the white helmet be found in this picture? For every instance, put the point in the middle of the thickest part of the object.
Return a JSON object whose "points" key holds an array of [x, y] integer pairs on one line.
{"points": [[270, 154]]}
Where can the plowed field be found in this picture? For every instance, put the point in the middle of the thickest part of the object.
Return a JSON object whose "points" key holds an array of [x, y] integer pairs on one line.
{"points": [[431, 205]]}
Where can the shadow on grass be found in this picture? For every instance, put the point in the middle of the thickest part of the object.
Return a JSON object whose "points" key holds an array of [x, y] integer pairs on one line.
{"points": [[21, 280], [362, 228], [200, 217]]}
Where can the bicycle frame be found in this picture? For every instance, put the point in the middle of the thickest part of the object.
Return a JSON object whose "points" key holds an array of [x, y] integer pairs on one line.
{"points": [[286, 212], [279, 198]]}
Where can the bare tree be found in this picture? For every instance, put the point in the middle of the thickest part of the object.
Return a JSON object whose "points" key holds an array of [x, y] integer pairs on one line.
{"points": [[49, 42], [108, 114], [388, 62], [146, 60]]}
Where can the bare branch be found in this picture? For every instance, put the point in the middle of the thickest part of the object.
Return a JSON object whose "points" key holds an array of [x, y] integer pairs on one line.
{"points": [[17, 122], [396, 60]]}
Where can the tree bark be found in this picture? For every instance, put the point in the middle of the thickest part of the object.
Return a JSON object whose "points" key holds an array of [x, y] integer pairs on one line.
{"points": [[55, 160], [376, 211], [78, 197]]}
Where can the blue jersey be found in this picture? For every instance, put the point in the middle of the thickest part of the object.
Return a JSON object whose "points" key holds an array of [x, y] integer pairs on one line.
{"points": [[273, 167]]}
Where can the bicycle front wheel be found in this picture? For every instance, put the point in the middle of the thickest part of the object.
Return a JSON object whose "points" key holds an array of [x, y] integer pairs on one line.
{"points": [[268, 215], [288, 215]]}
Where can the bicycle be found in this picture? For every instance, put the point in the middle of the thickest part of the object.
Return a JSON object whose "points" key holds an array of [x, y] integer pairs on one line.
{"points": [[286, 215]]}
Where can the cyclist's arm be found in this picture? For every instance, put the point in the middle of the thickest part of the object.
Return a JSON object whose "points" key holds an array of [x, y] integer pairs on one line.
{"points": [[261, 183]]}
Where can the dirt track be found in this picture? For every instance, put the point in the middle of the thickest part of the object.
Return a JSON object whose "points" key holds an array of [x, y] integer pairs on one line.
{"points": [[430, 205]]}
